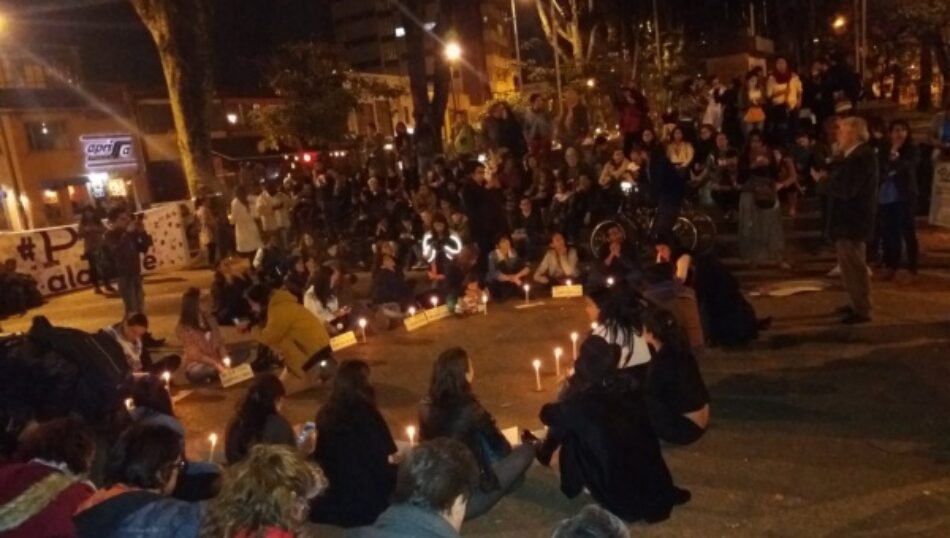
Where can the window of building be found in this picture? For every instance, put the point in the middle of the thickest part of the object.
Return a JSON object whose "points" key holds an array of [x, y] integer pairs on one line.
{"points": [[400, 31], [47, 136]]}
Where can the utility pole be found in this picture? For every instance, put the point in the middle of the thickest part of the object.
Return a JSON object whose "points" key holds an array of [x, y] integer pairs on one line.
{"points": [[557, 57], [656, 37], [514, 25]]}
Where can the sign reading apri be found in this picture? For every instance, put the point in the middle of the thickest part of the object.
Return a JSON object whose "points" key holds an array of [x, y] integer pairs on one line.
{"points": [[109, 151]]}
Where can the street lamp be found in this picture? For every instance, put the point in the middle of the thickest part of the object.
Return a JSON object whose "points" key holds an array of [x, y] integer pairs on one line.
{"points": [[591, 83], [453, 53], [839, 23]]}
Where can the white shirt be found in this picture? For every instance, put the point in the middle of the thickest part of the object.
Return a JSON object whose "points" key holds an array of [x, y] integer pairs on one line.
{"points": [[631, 353]]}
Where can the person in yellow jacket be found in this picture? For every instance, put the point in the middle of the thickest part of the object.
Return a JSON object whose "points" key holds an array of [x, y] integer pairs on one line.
{"points": [[296, 335]]}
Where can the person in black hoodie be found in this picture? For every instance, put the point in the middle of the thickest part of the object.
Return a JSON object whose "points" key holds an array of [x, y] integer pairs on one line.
{"points": [[451, 410], [227, 293], [354, 449], [607, 444]]}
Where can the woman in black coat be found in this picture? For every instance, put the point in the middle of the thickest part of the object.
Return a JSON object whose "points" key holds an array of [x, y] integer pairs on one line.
{"points": [[451, 410], [607, 444], [354, 448], [898, 198]]}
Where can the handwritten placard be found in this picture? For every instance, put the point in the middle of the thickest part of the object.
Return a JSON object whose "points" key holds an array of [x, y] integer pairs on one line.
{"points": [[238, 374], [567, 292], [437, 313], [343, 341], [415, 322]]}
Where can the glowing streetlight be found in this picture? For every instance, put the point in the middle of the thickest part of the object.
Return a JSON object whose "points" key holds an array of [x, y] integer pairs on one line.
{"points": [[839, 23], [232, 118], [591, 83], [453, 51]]}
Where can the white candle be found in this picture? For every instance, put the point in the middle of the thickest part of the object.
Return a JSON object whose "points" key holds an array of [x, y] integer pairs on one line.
{"points": [[167, 377], [362, 324], [557, 361], [227, 362], [435, 301], [213, 439], [594, 325], [527, 293], [570, 282], [574, 336], [411, 434], [610, 281], [129, 404], [484, 303], [537, 373], [412, 311]]}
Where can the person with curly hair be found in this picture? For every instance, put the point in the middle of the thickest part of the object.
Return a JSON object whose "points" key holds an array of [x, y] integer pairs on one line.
{"points": [[267, 495]]}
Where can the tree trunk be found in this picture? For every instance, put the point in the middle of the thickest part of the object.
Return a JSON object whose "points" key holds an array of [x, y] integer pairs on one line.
{"points": [[943, 62], [179, 29], [423, 109], [924, 96]]}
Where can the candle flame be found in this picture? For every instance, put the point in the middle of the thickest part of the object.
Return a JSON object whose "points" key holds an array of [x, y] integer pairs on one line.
{"points": [[536, 363], [213, 438]]}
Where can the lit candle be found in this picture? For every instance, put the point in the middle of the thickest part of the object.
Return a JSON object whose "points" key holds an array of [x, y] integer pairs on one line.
{"points": [[213, 439], [412, 311], [537, 373], [610, 281], [435, 301], [527, 293], [574, 336], [167, 377], [411, 434], [362, 324], [129, 404], [227, 362], [570, 282], [557, 361], [485, 303]]}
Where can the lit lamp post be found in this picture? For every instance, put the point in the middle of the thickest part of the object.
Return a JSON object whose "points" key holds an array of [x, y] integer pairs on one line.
{"points": [[453, 53]]}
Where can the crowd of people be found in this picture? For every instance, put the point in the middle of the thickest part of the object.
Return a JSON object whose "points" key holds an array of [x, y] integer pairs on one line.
{"points": [[507, 209]]}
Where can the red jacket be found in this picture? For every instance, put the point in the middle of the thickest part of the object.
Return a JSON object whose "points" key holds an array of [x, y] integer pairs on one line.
{"points": [[50, 515]]}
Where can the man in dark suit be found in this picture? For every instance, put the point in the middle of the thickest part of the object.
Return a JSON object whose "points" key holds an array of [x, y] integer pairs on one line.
{"points": [[851, 188]]}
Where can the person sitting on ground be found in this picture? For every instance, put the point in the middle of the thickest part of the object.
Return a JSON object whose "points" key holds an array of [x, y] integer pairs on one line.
{"points": [[439, 247], [669, 251], [45, 484], [506, 270], [451, 410], [129, 333], [728, 318], [559, 264], [617, 258], [606, 442], [677, 399], [152, 405], [592, 522], [268, 262], [257, 420], [297, 335], [617, 320], [389, 287], [141, 474], [227, 293], [434, 485], [203, 349], [296, 277], [662, 289], [472, 299], [461, 273], [321, 300], [267, 494], [354, 449], [18, 291], [528, 228]]}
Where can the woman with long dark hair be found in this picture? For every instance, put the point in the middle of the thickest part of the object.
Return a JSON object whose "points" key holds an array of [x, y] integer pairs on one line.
{"points": [[897, 199], [451, 410], [354, 449], [616, 319], [677, 399], [258, 420], [321, 299], [203, 349]]}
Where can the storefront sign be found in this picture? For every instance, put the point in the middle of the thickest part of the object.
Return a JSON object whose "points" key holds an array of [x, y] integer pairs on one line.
{"points": [[109, 151], [940, 197], [55, 257]]}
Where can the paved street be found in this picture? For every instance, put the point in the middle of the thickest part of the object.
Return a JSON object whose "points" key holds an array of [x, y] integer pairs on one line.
{"points": [[818, 429]]}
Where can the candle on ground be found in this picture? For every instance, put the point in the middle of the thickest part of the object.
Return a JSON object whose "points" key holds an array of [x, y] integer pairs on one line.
{"points": [[362, 324], [435, 301], [574, 336], [227, 362], [213, 440], [167, 377], [129, 404], [610, 281], [537, 373], [527, 293], [485, 303], [411, 434], [570, 282], [557, 361], [412, 311]]}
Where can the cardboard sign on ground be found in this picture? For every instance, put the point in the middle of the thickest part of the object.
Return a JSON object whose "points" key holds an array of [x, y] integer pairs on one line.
{"points": [[238, 374], [437, 313], [567, 292], [343, 341], [415, 322]]}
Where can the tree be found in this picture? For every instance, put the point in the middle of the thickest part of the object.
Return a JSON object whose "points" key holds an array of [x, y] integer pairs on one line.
{"points": [[317, 93], [179, 29]]}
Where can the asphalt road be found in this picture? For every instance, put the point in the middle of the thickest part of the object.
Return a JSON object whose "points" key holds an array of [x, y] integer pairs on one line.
{"points": [[818, 429]]}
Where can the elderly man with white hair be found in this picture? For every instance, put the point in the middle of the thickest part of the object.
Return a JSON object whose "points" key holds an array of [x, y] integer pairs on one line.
{"points": [[851, 187]]}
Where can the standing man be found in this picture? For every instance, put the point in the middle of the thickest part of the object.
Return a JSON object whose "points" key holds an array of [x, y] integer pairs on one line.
{"points": [[851, 189], [537, 127], [124, 241], [573, 124]]}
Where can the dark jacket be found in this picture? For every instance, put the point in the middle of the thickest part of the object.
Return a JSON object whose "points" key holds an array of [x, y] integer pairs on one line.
{"points": [[389, 287], [123, 249], [139, 514], [354, 454], [902, 171], [407, 521], [468, 422], [609, 448], [851, 188]]}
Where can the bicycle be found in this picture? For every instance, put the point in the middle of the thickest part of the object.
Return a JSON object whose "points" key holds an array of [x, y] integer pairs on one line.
{"points": [[693, 228]]}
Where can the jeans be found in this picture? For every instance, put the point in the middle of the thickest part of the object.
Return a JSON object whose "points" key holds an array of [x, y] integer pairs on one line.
{"points": [[852, 259], [899, 231], [510, 471], [132, 292]]}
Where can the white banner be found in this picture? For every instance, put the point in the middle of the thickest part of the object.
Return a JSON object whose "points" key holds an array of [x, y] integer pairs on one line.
{"points": [[54, 256]]}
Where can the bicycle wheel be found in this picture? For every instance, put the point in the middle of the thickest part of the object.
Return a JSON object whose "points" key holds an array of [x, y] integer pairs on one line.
{"points": [[705, 231], [598, 237], [685, 233]]}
